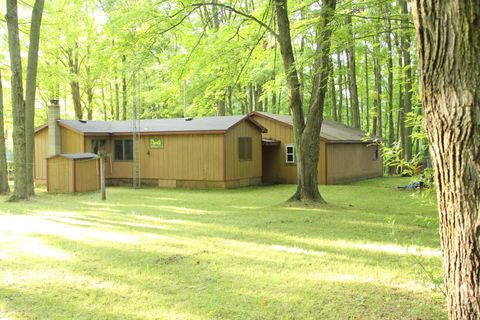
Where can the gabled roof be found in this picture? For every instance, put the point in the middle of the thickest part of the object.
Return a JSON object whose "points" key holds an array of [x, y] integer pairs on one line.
{"points": [[176, 125], [331, 131]]}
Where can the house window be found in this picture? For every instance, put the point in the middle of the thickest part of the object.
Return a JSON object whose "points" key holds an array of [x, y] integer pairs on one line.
{"points": [[289, 153], [376, 153], [98, 145], [245, 149], [156, 143], [124, 149]]}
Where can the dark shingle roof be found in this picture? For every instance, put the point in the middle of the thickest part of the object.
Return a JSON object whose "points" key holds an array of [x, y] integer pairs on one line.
{"points": [[156, 125], [331, 130]]}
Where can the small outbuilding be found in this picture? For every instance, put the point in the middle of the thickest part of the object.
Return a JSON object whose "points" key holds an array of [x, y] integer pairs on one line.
{"points": [[70, 173]]}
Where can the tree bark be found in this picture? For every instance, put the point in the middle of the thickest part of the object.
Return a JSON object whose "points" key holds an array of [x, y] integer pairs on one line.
{"points": [[405, 44], [367, 91], [306, 133], [333, 93], [124, 89], [117, 101], [4, 188], [18, 104], [74, 67], [378, 92], [354, 106], [388, 38], [340, 88], [448, 36], [31, 89]]}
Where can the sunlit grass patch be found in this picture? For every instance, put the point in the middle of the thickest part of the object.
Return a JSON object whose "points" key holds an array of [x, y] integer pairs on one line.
{"points": [[371, 253]]}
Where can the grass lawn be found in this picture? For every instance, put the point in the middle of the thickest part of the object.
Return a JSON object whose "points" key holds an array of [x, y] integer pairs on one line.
{"points": [[372, 253]]}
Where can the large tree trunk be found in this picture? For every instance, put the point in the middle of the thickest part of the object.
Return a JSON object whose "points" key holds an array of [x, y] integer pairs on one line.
{"points": [[448, 34], [306, 133], [4, 188], [18, 104], [31, 89]]}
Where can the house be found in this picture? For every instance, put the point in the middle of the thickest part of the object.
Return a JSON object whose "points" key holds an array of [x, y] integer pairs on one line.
{"points": [[346, 154], [211, 152]]}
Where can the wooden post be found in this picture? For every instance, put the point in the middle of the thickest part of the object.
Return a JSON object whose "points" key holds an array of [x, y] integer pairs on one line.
{"points": [[102, 175]]}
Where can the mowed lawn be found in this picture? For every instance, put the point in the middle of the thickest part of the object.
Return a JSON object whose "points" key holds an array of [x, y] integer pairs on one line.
{"points": [[372, 253]]}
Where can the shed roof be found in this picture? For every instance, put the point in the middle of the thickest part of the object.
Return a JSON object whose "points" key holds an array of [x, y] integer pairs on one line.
{"points": [[331, 131], [176, 125], [76, 156]]}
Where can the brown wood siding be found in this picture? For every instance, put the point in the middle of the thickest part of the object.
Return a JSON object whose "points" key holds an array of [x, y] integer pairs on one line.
{"points": [[243, 169], [60, 175], [71, 141], [275, 169], [87, 175], [197, 157], [40, 155], [183, 157], [349, 162]]}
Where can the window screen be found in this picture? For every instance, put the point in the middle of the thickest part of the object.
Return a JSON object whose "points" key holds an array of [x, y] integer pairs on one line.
{"points": [[245, 148], [289, 153], [123, 149]]}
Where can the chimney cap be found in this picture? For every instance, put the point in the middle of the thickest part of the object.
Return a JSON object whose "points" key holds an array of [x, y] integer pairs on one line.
{"points": [[54, 102]]}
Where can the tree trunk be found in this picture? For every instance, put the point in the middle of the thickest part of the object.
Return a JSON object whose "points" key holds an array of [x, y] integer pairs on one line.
{"points": [[391, 128], [4, 188], [18, 104], [340, 87], [124, 90], [405, 44], [333, 93], [354, 107], [448, 36], [31, 89], [221, 107], [306, 133], [77, 101], [378, 92], [367, 90], [400, 124], [117, 101]]}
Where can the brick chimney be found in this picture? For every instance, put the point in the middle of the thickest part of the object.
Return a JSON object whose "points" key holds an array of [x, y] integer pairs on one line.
{"points": [[53, 128]]}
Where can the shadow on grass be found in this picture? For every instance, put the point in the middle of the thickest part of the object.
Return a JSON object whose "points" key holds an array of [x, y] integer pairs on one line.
{"points": [[224, 284]]}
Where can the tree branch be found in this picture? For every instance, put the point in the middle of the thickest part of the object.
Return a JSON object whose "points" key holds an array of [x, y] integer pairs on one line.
{"points": [[246, 15]]}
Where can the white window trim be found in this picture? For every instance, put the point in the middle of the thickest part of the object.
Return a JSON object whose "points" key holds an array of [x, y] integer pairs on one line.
{"points": [[287, 153]]}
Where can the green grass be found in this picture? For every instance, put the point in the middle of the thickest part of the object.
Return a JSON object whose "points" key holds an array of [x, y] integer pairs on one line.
{"points": [[372, 253]]}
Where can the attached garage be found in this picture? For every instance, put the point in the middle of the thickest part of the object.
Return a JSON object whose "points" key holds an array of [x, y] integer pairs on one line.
{"points": [[70, 173]]}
